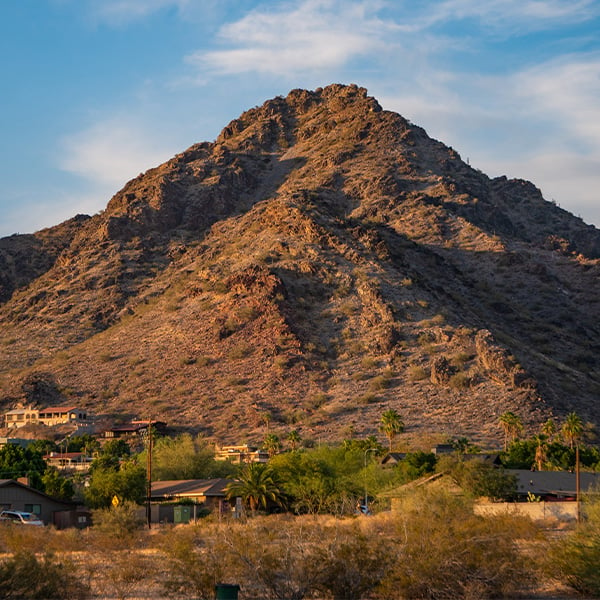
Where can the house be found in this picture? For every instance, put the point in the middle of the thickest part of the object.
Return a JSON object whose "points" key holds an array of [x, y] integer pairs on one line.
{"points": [[69, 461], [19, 417], [553, 485], [393, 458], [15, 495], [134, 428], [241, 454], [195, 495], [16, 441], [59, 415]]}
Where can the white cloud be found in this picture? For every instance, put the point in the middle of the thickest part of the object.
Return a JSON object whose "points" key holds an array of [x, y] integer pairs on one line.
{"points": [[566, 91], [312, 36], [111, 152], [524, 15]]}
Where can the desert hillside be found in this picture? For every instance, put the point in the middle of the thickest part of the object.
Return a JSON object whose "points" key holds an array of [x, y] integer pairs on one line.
{"points": [[320, 262]]}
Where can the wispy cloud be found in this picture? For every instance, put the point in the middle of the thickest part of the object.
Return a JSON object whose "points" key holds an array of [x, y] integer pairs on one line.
{"points": [[111, 152], [515, 15], [314, 35]]}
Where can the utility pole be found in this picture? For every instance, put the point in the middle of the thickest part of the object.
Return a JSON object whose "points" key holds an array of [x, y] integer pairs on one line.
{"points": [[366, 492], [149, 476], [577, 484]]}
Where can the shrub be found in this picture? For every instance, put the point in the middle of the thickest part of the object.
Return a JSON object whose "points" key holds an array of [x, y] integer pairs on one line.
{"points": [[575, 559], [26, 576], [416, 373], [448, 552]]}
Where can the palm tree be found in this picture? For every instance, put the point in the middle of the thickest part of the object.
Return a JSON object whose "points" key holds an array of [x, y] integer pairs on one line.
{"points": [[293, 437], [511, 425], [256, 486], [272, 444], [391, 425], [549, 429], [572, 429], [540, 451]]}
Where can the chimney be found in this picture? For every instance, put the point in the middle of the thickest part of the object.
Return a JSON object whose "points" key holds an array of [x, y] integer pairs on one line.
{"points": [[23, 480]]}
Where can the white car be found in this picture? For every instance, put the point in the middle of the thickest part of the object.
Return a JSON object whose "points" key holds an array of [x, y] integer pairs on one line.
{"points": [[20, 517]]}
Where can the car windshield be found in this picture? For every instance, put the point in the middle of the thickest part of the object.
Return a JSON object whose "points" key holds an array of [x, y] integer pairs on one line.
{"points": [[29, 517]]}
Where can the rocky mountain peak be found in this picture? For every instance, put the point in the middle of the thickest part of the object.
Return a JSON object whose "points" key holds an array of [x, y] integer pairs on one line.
{"points": [[322, 260]]}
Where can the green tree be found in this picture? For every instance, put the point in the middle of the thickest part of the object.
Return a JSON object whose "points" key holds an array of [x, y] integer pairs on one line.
{"points": [[572, 429], [16, 461], [257, 486], [56, 485], [271, 444], [127, 482], [391, 425], [84, 443], [511, 426], [185, 457]]}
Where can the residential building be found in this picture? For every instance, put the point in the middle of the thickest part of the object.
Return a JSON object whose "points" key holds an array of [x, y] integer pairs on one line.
{"points": [[59, 415], [19, 417], [69, 461], [15, 495], [134, 428], [241, 454], [183, 500]]}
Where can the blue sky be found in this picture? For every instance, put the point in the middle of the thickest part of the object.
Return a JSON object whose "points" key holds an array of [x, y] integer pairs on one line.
{"points": [[96, 91]]}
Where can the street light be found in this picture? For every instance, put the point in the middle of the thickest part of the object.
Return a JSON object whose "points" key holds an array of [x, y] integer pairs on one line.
{"points": [[366, 493]]}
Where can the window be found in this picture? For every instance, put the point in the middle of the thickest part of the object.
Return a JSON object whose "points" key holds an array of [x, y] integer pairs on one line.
{"points": [[36, 509]]}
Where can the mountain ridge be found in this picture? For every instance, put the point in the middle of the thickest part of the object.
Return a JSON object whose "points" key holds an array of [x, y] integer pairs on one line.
{"points": [[320, 261]]}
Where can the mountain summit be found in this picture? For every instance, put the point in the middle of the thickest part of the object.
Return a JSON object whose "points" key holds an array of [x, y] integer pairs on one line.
{"points": [[321, 262]]}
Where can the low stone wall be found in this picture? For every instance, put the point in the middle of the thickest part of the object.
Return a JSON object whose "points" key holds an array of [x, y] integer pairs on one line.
{"points": [[538, 511]]}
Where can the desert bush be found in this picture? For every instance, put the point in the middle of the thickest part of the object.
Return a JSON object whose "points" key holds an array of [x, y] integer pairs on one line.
{"points": [[123, 574], [352, 563], [276, 558], [416, 373], [195, 562], [445, 551], [459, 380], [118, 524], [25, 576], [575, 559], [380, 382]]}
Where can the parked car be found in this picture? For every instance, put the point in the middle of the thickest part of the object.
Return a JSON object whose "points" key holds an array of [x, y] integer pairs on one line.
{"points": [[20, 517]]}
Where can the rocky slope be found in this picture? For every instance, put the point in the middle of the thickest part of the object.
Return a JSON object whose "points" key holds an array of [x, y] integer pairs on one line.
{"points": [[323, 260]]}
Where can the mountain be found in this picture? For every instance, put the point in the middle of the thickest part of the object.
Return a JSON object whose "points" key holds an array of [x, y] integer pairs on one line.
{"points": [[322, 261]]}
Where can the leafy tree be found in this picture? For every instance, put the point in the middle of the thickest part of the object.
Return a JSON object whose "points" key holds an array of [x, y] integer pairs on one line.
{"points": [[511, 425], [572, 429], [56, 485], [126, 482], [116, 448], [480, 479], [43, 447], [185, 457], [391, 425], [257, 486], [85, 443], [16, 461]]}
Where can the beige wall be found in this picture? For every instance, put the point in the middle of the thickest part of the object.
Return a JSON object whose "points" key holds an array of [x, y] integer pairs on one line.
{"points": [[561, 511]]}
